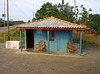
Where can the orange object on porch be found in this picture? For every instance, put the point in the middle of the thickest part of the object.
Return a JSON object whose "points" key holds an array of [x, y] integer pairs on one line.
{"points": [[40, 45], [71, 47]]}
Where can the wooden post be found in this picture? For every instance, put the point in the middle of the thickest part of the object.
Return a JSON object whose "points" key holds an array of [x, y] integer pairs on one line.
{"points": [[25, 38], [8, 20], [80, 42], [21, 39], [72, 36], [48, 41]]}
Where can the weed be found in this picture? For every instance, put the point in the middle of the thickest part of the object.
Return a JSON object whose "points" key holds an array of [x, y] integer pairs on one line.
{"points": [[14, 35], [84, 41], [86, 36]]}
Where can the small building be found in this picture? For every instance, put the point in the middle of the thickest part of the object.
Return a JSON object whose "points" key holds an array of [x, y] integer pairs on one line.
{"points": [[53, 31]]}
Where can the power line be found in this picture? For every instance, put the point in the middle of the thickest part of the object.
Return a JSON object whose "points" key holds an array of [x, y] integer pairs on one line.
{"points": [[44, 1], [35, 3], [20, 9]]}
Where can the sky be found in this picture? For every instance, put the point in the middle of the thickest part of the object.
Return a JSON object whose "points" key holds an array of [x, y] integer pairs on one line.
{"points": [[23, 9]]}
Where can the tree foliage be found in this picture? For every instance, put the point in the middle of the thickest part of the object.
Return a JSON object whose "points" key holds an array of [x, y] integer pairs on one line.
{"points": [[46, 10], [84, 15], [61, 10], [1, 19], [10, 23], [94, 23], [65, 12]]}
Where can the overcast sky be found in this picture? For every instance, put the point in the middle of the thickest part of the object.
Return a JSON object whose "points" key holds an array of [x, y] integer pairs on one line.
{"points": [[22, 9]]}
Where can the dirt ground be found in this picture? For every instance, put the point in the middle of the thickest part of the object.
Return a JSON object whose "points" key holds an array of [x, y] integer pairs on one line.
{"points": [[92, 37], [88, 36], [12, 62]]}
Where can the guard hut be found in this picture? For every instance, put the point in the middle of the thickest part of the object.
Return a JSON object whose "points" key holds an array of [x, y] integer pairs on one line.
{"points": [[53, 31]]}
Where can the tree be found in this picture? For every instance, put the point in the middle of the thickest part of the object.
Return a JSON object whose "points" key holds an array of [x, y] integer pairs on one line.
{"points": [[62, 2], [62, 11], [29, 21], [46, 10], [1, 19], [65, 12], [84, 15], [94, 23]]}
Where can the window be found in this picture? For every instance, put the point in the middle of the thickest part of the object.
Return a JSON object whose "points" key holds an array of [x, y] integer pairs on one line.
{"points": [[51, 35]]}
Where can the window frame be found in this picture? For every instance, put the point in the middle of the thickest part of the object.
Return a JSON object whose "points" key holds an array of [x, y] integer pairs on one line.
{"points": [[51, 35]]}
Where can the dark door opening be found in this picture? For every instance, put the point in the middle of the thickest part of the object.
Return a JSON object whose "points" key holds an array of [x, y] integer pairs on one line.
{"points": [[30, 38]]}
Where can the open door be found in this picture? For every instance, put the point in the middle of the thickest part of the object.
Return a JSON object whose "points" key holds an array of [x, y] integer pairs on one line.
{"points": [[30, 38]]}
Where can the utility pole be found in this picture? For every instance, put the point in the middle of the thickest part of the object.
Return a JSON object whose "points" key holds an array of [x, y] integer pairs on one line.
{"points": [[74, 11], [74, 16], [8, 19], [3, 15], [33, 15]]}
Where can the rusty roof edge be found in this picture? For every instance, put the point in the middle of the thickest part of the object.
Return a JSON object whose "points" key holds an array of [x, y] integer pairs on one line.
{"points": [[51, 28]]}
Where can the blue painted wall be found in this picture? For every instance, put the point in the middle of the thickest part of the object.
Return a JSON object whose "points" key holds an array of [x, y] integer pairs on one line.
{"points": [[60, 39]]}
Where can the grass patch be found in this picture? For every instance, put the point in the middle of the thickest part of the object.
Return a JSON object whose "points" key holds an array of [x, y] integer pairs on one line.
{"points": [[90, 43], [86, 36], [84, 41], [14, 35]]}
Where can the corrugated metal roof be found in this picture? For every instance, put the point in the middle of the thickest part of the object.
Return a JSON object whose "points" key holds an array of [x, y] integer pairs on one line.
{"points": [[51, 22]]}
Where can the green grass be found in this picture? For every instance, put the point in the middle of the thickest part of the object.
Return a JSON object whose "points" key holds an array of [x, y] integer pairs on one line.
{"points": [[84, 41], [90, 43], [86, 36], [14, 35]]}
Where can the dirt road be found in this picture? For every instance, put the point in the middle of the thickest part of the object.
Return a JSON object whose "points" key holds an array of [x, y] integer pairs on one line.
{"points": [[12, 62]]}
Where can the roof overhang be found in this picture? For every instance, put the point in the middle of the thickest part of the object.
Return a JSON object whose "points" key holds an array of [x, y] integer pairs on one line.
{"points": [[51, 23], [51, 28]]}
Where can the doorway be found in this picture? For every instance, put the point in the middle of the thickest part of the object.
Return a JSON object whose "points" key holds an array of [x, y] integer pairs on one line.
{"points": [[30, 38]]}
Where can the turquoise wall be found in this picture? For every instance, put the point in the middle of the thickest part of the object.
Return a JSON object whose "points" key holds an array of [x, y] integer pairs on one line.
{"points": [[60, 39]]}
